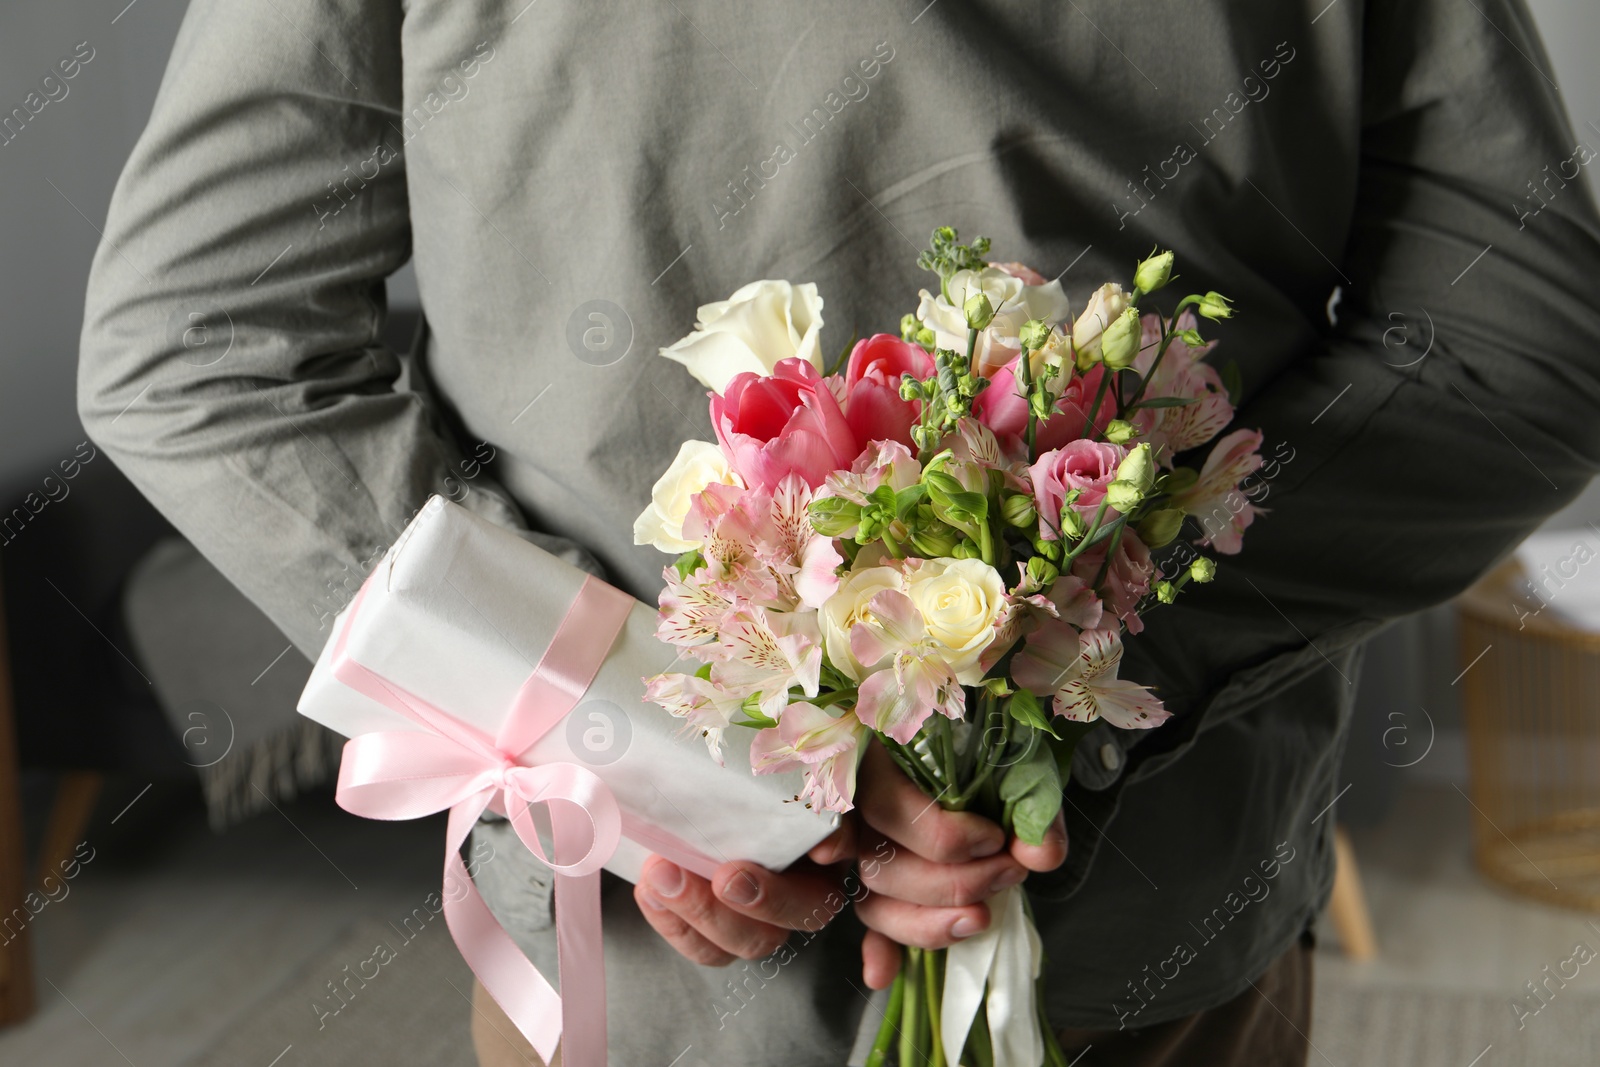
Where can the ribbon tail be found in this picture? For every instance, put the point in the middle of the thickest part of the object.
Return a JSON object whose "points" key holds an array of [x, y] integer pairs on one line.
{"points": [[580, 949], [524, 994], [966, 973], [1013, 1015]]}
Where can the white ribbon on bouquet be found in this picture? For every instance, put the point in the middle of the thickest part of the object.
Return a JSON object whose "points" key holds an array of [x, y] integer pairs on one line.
{"points": [[1005, 958]]}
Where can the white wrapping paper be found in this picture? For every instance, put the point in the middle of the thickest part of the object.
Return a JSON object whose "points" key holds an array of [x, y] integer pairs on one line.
{"points": [[459, 612]]}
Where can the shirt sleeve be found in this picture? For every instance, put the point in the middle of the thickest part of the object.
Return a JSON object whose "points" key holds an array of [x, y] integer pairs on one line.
{"points": [[230, 357], [1452, 409]]}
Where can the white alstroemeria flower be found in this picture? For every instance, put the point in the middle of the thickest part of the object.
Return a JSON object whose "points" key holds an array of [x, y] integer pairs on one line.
{"points": [[752, 330], [700, 702]]}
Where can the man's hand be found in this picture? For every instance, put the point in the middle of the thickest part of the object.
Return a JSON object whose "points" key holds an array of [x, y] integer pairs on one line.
{"points": [[928, 872]]}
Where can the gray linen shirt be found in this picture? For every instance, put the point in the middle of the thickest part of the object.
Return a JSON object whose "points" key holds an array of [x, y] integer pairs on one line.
{"points": [[571, 180]]}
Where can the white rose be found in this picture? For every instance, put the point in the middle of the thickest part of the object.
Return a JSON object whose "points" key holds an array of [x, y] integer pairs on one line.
{"points": [[1105, 306], [1014, 304], [751, 331], [697, 465], [848, 606], [959, 599]]}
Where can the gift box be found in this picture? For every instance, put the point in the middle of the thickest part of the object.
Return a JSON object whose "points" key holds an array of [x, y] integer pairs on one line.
{"points": [[475, 671]]}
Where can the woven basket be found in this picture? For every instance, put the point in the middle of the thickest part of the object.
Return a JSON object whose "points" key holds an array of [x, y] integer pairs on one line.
{"points": [[1531, 698]]}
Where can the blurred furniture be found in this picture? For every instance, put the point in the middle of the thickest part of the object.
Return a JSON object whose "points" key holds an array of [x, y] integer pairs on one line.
{"points": [[1347, 907], [1531, 698]]}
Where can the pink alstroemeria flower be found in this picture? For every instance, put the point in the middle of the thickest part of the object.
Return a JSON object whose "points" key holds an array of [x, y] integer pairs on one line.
{"points": [[1183, 373], [788, 422], [897, 700], [873, 406], [825, 746], [706, 706], [1079, 669], [766, 652], [1215, 501]]}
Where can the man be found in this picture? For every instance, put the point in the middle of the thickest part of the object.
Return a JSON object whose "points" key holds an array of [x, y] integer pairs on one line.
{"points": [[572, 180]]}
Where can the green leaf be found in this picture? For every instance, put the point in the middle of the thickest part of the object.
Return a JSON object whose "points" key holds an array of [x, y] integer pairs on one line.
{"points": [[688, 563], [1031, 792], [1233, 382], [908, 498], [1024, 707]]}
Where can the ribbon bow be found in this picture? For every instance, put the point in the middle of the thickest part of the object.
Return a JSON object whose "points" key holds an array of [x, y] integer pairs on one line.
{"points": [[453, 766]]}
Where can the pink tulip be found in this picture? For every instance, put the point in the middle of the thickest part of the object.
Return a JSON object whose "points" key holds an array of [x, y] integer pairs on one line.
{"points": [[1002, 408], [873, 407], [788, 422]]}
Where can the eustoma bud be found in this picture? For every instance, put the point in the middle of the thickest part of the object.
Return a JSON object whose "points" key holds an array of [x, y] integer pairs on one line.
{"points": [[1203, 569], [1153, 273], [1034, 334], [1018, 510], [1214, 306], [1138, 468], [1119, 345], [1160, 528], [979, 311]]}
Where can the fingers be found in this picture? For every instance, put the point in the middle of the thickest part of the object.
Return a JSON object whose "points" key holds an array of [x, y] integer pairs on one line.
{"points": [[1049, 854], [919, 925], [679, 934], [745, 911], [892, 805], [837, 846], [907, 876], [805, 897], [880, 960]]}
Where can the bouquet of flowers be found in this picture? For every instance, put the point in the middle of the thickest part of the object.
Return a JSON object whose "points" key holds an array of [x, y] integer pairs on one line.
{"points": [[940, 549]]}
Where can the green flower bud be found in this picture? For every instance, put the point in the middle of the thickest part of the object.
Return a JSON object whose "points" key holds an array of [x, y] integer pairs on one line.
{"points": [[1166, 592], [935, 542], [909, 326], [1192, 338], [1073, 524], [1119, 345], [1215, 306], [1178, 479], [1160, 528], [1124, 496], [925, 338], [1034, 333], [1153, 273], [979, 311], [965, 549], [1138, 468], [1017, 510], [1203, 569], [1042, 573], [1050, 550], [834, 516], [911, 388], [1119, 432]]}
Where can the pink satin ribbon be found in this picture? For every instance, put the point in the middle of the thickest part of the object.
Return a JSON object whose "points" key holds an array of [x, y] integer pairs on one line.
{"points": [[455, 766]]}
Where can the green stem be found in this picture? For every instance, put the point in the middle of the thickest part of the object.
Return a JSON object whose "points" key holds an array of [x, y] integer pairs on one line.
{"points": [[1025, 367], [933, 986], [1077, 550], [1099, 395], [891, 544], [1111, 550], [887, 1029], [986, 543], [911, 1009], [1168, 333], [979, 1042]]}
